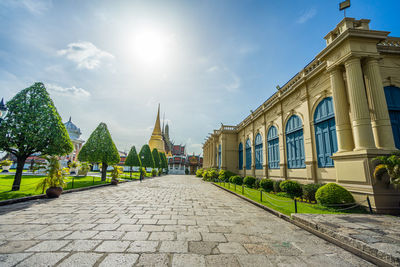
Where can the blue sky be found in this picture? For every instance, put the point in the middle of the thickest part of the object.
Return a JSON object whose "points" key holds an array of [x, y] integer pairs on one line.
{"points": [[206, 62]]}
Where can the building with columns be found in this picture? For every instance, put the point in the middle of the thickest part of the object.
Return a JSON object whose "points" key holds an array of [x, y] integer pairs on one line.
{"points": [[328, 122]]}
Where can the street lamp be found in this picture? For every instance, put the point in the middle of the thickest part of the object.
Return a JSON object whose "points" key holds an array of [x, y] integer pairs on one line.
{"points": [[3, 110]]}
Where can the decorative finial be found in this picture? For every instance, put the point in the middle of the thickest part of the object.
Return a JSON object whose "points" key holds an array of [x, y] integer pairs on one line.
{"points": [[69, 119]]}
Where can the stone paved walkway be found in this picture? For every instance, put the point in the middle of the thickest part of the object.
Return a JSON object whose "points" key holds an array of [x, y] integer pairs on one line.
{"points": [[166, 221]]}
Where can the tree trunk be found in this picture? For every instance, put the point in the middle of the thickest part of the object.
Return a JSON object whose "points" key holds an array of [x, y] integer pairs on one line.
{"points": [[104, 171], [130, 170], [18, 173]]}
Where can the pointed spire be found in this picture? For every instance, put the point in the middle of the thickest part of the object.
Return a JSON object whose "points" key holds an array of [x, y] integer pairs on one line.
{"points": [[163, 123], [2, 106], [69, 119], [157, 127]]}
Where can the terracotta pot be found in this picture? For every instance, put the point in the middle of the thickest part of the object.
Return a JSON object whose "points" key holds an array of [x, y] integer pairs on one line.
{"points": [[54, 192], [114, 182]]}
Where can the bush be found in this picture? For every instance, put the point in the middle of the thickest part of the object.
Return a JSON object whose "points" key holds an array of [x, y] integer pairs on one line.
{"points": [[237, 180], [225, 175], [249, 181], [293, 188], [84, 169], [186, 171], [333, 194], [283, 194], [309, 191], [204, 174], [267, 185], [257, 184], [276, 186], [212, 175], [153, 172], [199, 173]]}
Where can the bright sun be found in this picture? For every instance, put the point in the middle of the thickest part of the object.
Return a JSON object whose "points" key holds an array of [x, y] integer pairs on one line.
{"points": [[152, 47]]}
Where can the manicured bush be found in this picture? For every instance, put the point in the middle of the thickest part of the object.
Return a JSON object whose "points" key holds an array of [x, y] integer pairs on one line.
{"points": [[153, 172], [276, 186], [237, 180], [204, 174], [267, 185], [293, 188], [249, 181], [333, 194], [309, 191], [224, 175], [212, 174], [257, 184], [199, 173]]}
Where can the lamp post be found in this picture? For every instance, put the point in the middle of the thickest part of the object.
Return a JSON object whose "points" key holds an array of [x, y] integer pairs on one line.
{"points": [[141, 169], [3, 110]]}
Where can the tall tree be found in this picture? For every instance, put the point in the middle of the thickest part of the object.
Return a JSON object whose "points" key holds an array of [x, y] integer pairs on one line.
{"points": [[100, 148], [32, 125], [162, 158], [156, 157], [132, 160], [146, 157]]}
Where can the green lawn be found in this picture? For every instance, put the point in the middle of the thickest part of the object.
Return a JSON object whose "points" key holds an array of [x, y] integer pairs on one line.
{"points": [[286, 205], [29, 183]]}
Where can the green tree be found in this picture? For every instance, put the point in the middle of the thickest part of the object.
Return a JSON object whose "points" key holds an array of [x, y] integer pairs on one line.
{"points": [[132, 160], [100, 148], [164, 164], [156, 157], [146, 157], [32, 125]]}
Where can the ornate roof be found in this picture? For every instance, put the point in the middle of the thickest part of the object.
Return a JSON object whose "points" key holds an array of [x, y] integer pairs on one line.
{"points": [[73, 131]]}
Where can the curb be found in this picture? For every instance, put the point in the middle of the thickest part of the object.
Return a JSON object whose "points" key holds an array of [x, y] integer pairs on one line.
{"points": [[326, 235]]}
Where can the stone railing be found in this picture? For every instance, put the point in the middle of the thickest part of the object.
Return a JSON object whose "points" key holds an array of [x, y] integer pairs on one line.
{"points": [[228, 128]]}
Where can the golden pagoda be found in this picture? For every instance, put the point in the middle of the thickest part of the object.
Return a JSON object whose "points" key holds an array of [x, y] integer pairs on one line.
{"points": [[156, 139]]}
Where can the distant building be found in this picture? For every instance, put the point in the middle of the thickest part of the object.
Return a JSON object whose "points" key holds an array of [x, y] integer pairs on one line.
{"points": [[74, 134]]}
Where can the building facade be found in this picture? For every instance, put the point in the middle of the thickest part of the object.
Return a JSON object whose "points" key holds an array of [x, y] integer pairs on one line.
{"points": [[328, 122]]}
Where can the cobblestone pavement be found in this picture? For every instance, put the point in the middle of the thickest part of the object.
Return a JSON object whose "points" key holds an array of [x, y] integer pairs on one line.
{"points": [[166, 221]]}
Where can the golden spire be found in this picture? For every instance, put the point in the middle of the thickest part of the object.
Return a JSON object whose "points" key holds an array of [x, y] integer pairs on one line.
{"points": [[156, 140]]}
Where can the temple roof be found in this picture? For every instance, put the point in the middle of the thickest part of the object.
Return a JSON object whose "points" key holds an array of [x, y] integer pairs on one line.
{"points": [[73, 131]]}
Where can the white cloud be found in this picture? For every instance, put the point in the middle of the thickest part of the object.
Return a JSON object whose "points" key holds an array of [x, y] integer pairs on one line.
{"points": [[85, 54], [225, 77], [67, 91], [307, 15], [36, 7]]}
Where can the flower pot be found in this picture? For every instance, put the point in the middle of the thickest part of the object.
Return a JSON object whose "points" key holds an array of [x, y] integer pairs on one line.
{"points": [[5, 168], [114, 182], [54, 192], [73, 171]]}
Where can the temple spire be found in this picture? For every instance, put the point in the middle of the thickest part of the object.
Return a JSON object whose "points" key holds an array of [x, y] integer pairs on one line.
{"points": [[156, 140], [157, 126]]}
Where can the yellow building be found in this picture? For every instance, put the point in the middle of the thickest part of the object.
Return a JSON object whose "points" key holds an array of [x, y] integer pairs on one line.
{"points": [[328, 122], [156, 139]]}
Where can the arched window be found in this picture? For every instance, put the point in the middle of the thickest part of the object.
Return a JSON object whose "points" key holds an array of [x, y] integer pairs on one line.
{"points": [[219, 156], [295, 143], [393, 102], [258, 145], [240, 156], [325, 132], [273, 148], [248, 154]]}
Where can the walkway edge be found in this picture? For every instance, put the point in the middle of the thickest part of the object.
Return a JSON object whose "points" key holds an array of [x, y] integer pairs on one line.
{"points": [[315, 230]]}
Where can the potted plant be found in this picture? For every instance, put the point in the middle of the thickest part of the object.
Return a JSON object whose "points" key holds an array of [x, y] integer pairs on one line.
{"points": [[84, 169], [117, 170], [73, 167], [5, 165], [388, 169], [55, 178]]}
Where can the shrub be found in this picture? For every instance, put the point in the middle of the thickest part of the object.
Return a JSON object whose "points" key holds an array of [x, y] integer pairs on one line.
{"points": [[237, 180], [115, 173], [276, 186], [249, 181], [283, 194], [199, 173], [267, 185], [293, 188], [257, 184], [153, 172], [204, 174], [225, 175], [186, 171], [333, 194], [309, 191], [212, 175], [84, 169], [6, 163]]}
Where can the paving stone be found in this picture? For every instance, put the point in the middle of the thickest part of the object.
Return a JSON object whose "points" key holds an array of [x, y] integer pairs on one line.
{"points": [[214, 237], [42, 259], [81, 235], [106, 226], [16, 246], [147, 221], [136, 236], [189, 236], [143, 246], [253, 260], [8, 260], [231, 248], [82, 226], [81, 245], [113, 246], [162, 236], [49, 245], [119, 259], [174, 246], [158, 260], [222, 260], [184, 260], [53, 235], [259, 249], [109, 235], [80, 259], [204, 248], [130, 228], [152, 228]]}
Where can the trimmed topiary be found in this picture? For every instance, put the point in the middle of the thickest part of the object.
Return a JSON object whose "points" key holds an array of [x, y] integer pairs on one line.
{"points": [[333, 194], [267, 185], [293, 188], [309, 191], [212, 175], [249, 181], [237, 180], [224, 175], [199, 173]]}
